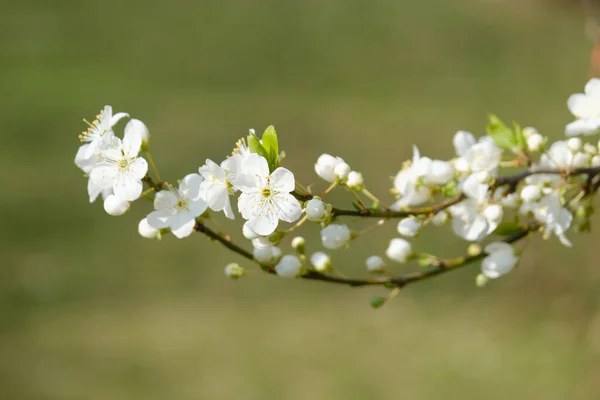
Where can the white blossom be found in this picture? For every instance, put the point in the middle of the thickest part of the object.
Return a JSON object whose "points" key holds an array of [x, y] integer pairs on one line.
{"points": [[288, 267], [177, 209], [531, 193], [555, 218], [440, 218], [409, 183], [334, 236], [409, 227], [217, 186], [574, 144], [266, 197], [115, 206], [96, 138], [375, 264], [355, 180], [321, 261], [500, 260], [473, 221], [267, 254], [586, 108], [483, 155], [341, 171], [248, 232], [146, 231], [120, 167], [535, 143], [399, 250], [325, 166], [316, 210]]}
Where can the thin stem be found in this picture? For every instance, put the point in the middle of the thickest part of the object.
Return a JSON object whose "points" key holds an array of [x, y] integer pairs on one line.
{"points": [[152, 165]]}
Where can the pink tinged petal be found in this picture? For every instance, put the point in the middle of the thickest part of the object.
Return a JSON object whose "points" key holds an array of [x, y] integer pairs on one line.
{"points": [[263, 225], [132, 140], [159, 219], [165, 200], [117, 117], [127, 187], [256, 165], [138, 168], [282, 180], [184, 230], [289, 209]]}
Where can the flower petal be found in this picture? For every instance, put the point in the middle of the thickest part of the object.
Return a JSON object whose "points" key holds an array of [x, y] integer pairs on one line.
{"points": [[184, 230], [103, 175], [127, 187], [463, 141], [288, 208], [138, 168], [190, 186], [159, 219], [256, 165], [117, 117], [132, 139], [584, 126], [165, 200], [282, 180], [263, 225]]}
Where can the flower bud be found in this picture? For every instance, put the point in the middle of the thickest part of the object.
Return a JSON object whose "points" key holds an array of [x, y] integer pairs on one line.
{"points": [[146, 231], [511, 200], [335, 236], [483, 176], [493, 213], [529, 131], [440, 172], [375, 264], [298, 244], [341, 171], [581, 160], [500, 260], [574, 144], [531, 193], [248, 232], [115, 206], [316, 210], [325, 165], [399, 250], [355, 180], [234, 271], [288, 267], [596, 161], [262, 242], [535, 143], [409, 227], [473, 250], [321, 261], [590, 149], [440, 218], [266, 254], [481, 280]]}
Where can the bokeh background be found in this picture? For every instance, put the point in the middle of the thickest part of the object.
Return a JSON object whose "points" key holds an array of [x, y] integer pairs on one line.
{"points": [[88, 310]]}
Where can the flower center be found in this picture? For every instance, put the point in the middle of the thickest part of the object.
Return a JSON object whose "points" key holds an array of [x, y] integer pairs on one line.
{"points": [[266, 193], [93, 129], [181, 205]]}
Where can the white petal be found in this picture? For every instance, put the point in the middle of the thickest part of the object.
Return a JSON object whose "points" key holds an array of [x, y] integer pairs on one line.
{"points": [[127, 187], [165, 200], [132, 140], [83, 161], [592, 88], [263, 225], [190, 186], [227, 209], [247, 204], [256, 165], [159, 219], [289, 209], [216, 196], [583, 126], [95, 190], [184, 230], [463, 141], [117, 117], [416, 154], [473, 189], [103, 175], [197, 207], [282, 180], [138, 168], [498, 246]]}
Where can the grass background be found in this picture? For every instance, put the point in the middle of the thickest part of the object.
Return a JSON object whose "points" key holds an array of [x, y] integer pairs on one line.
{"points": [[88, 310]]}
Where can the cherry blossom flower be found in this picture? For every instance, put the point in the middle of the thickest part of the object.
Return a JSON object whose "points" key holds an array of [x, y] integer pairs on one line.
{"points": [[586, 108], [177, 209], [500, 260], [266, 197]]}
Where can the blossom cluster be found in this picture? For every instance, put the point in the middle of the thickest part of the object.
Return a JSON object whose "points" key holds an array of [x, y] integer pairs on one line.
{"points": [[550, 193]]}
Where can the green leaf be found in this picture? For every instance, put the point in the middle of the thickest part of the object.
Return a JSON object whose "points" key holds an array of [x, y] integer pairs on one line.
{"points": [[508, 228], [256, 147], [501, 134], [269, 140], [377, 301], [520, 136]]}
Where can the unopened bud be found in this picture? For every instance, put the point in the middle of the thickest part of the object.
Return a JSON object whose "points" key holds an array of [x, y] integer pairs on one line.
{"points": [[298, 244], [474, 250], [234, 271]]}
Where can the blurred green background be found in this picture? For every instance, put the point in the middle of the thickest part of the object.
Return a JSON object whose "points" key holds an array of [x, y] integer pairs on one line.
{"points": [[91, 311]]}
